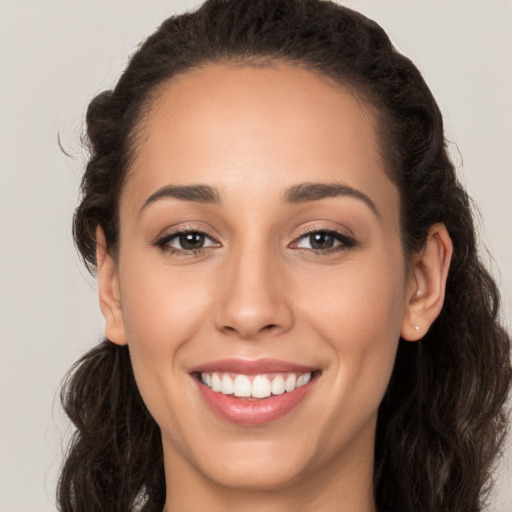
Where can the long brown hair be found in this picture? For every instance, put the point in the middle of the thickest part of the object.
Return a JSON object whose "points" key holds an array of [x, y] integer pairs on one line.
{"points": [[442, 421]]}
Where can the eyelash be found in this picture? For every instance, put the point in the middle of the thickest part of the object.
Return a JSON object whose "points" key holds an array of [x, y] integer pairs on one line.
{"points": [[163, 242], [345, 242]]}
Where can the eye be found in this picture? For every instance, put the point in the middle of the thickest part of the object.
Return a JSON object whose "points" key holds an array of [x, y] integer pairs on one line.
{"points": [[324, 241], [186, 241]]}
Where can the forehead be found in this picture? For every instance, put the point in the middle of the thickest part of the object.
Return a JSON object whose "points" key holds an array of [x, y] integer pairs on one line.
{"points": [[231, 126]]}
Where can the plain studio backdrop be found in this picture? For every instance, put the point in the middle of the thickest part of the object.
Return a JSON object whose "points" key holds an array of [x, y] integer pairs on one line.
{"points": [[54, 57]]}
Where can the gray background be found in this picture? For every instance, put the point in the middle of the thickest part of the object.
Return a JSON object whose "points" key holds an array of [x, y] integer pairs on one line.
{"points": [[54, 56]]}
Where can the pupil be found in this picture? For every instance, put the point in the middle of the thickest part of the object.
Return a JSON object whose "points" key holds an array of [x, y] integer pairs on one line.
{"points": [[321, 240], [191, 241]]}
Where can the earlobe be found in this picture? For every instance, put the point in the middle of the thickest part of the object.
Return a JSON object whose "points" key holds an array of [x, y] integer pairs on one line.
{"points": [[427, 284], [109, 296]]}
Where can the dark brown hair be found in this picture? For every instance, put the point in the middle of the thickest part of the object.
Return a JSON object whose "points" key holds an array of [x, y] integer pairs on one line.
{"points": [[442, 420]]}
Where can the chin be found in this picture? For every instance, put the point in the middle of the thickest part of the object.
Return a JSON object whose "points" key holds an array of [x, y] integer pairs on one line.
{"points": [[257, 476]]}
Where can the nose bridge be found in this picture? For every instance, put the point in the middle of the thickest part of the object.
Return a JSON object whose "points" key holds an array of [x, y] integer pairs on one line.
{"points": [[253, 298]]}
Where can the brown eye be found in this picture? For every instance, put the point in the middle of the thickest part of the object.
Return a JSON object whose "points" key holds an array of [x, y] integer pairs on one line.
{"points": [[186, 241], [191, 241], [325, 241], [321, 240]]}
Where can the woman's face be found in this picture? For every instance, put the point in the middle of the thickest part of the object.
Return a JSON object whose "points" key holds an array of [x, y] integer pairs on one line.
{"points": [[260, 243]]}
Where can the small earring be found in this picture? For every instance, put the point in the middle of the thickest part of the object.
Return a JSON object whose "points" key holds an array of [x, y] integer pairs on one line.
{"points": [[417, 328]]}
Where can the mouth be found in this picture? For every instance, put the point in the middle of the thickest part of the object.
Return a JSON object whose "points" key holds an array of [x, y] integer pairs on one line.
{"points": [[257, 386], [254, 393]]}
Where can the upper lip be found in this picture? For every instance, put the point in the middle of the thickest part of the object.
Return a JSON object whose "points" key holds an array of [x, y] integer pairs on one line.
{"points": [[252, 367]]}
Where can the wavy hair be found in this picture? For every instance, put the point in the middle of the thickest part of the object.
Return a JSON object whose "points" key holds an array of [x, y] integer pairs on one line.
{"points": [[443, 419]]}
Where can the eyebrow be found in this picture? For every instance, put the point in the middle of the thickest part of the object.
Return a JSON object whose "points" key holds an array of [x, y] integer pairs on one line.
{"points": [[196, 193], [301, 193], [305, 192]]}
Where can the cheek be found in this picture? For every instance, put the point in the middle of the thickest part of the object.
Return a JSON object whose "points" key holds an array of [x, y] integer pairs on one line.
{"points": [[358, 312], [359, 300], [157, 303], [162, 312]]}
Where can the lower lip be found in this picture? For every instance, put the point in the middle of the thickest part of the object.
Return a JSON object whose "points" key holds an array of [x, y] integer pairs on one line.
{"points": [[254, 412]]}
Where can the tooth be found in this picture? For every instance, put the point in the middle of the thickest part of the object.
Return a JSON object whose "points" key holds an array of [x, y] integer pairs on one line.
{"points": [[290, 382], [260, 387], [303, 380], [226, 385], [216, 382], [242, 386], [278, 386]]}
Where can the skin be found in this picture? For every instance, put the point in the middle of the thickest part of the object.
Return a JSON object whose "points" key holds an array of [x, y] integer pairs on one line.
{"points": [[258, 290]]}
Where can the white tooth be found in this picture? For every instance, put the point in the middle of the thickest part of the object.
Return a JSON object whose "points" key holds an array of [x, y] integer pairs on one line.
{"points": [[291, 380], [226, 385], [242, 386], [303, 380], [278, 386], [215, 382], [208, 380], [203, 378], [260, 387]]}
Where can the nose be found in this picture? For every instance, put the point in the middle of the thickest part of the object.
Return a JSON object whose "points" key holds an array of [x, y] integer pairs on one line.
{"points": [[253, 301]]}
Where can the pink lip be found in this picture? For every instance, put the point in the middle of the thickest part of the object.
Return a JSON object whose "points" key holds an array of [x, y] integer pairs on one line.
{"points": [[253, 412], [252, 367]]}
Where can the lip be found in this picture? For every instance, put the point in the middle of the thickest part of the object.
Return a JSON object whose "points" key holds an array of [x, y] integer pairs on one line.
{"points": [[253, 412], [252, 367]]}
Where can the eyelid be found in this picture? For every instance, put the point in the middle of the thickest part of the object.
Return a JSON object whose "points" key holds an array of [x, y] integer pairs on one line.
{"points": [[315, 228], [346, 241], [162, 240]]}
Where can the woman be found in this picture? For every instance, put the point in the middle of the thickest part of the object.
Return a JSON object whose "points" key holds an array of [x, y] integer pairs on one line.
{"points": [[295, 313]]}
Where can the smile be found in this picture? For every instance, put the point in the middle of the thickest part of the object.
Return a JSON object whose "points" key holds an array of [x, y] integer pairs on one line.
{"points": [[258, 386], [252, 393]]}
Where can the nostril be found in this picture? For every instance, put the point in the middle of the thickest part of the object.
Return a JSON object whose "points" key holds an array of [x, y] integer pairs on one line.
{"points": [[248, 333], [250, 320]]}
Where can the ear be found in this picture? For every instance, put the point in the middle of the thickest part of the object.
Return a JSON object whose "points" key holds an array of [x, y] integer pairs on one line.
{"points": [[427, 284], [108, 287]]}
